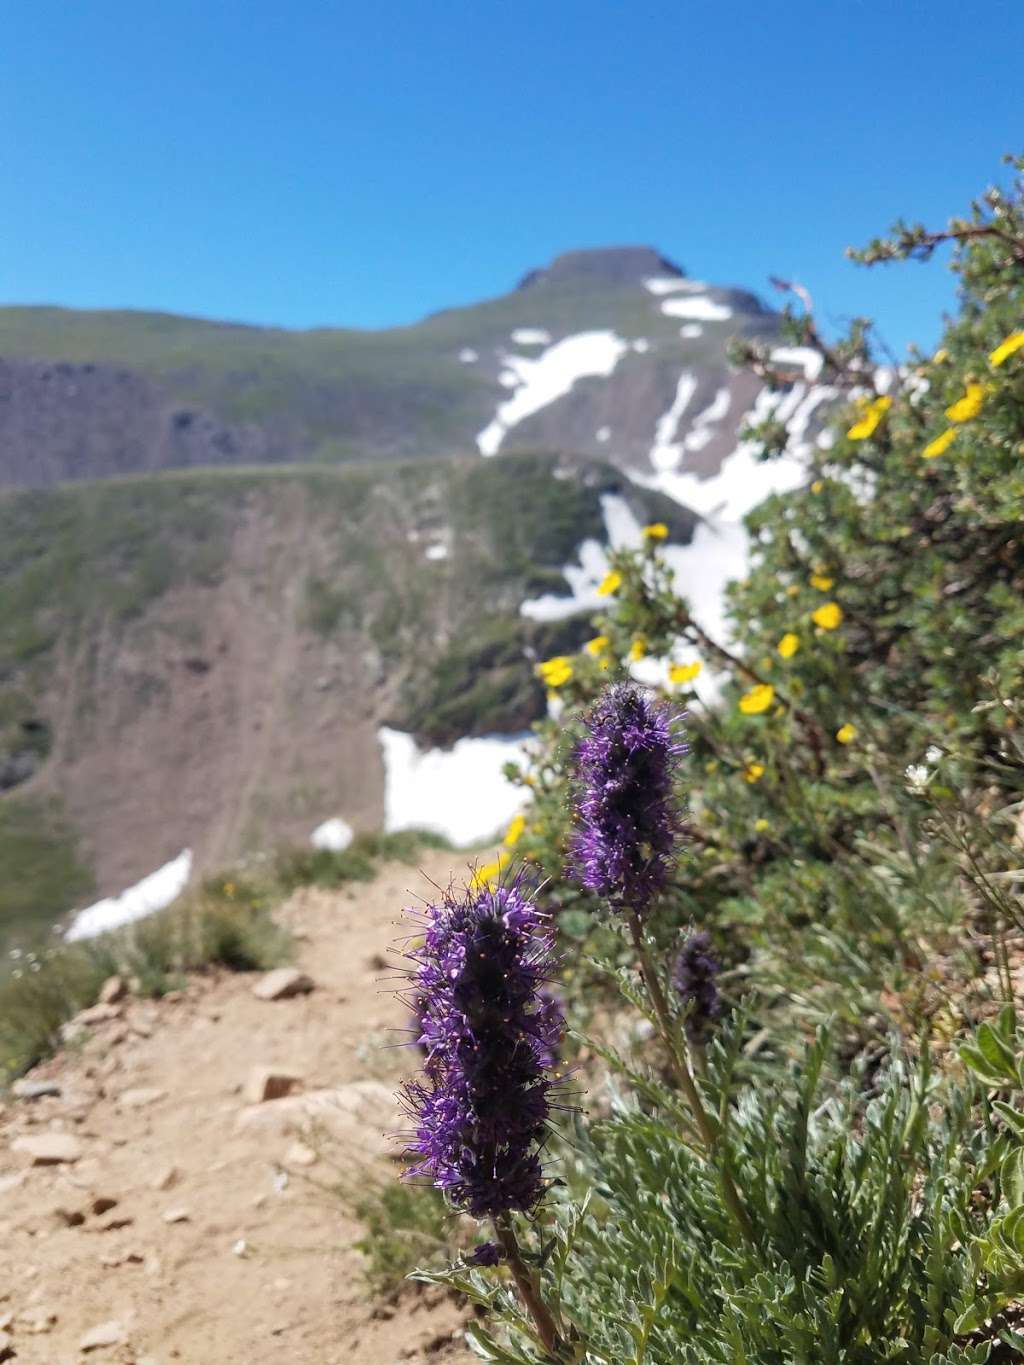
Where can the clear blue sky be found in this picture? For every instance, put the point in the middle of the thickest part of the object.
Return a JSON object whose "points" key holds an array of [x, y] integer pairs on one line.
{"points": [[335, 163]]}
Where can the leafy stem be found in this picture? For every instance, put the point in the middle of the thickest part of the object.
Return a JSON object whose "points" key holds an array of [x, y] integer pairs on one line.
{"points": [[707, 1125]]}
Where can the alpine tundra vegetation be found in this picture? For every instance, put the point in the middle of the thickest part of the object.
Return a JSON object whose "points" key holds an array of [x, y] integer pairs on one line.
{"points": [[798, 948]]}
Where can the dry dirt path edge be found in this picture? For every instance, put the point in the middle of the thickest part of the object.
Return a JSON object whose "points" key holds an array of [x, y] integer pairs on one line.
{"points": [[187, 1229]]}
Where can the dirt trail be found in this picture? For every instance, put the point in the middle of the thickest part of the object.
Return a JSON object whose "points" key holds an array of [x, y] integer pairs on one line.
{"points": [[260, 1267]]}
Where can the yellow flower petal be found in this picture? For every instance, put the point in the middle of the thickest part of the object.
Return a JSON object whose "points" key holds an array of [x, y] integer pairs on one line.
{"points": [[487, 876], [969, 406], [554, 672], [847, 733], [873, 411], [940, 355], [817, 486], [761, 825], [758, 699], [597, 645], [611, 583], [1006, 348], [788, 645], [684, 673], [792, 590], [829, 616], [515, 830], [940, 444], [753, 772], [656, 531], [638, 649], [822, 582]]}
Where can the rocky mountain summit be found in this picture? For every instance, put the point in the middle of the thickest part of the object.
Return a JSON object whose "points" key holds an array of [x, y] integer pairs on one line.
{"points": [[587, 355]]}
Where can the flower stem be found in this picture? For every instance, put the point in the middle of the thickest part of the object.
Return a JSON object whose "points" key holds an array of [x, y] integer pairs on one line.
{"points": [[707, 1124], [529, 1291]]}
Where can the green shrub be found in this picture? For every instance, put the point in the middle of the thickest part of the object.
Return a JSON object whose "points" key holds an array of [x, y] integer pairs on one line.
{"points": [[825, 1183]]}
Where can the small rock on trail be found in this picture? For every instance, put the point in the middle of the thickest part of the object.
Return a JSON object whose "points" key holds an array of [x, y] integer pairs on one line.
{"points": [[48, 1149], [282, 984]]}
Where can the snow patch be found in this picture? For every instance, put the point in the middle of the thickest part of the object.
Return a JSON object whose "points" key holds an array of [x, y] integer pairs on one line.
{"points": [[663, 284], [809, 360], [641, 345], [703, 310], [703, 427], [603, 434], [531, 336], [691, 330], [666, 452], [436, 552], [673, 284], [548, 377], [334, 835], [584, 577], [460, 792], [468, 356], [153, 893], [715, 556]]}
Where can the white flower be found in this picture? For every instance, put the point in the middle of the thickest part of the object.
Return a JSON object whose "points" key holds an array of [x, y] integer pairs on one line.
{"points": [[918, 776], [933, 754]]}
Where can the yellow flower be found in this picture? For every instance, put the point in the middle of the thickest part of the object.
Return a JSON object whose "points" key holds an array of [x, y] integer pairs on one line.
{"points": [[684, 673], [822, 582], [490, 872], [847, 733], [873, 412], [753, 772], [657, 531], [761, 825], [969, 406], [758, 699], [1006, 348], [788, 645], [940, 355], [515, 830], [597, 645], [817, 486], [711, 766], [638, 649], [611, 583], [554, 672], [229, 890], [829, 616], [940, 444], [792, 590]]}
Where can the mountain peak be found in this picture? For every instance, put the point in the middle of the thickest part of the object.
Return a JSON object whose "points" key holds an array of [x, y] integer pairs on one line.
{"points": [[602, 265]]}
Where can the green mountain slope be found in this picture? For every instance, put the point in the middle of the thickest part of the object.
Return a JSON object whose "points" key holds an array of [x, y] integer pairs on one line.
{"points": [[91, 394], [204, 658]]}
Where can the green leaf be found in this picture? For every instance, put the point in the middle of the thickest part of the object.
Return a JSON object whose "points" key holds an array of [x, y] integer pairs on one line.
{"points": [[1013, 1118]]}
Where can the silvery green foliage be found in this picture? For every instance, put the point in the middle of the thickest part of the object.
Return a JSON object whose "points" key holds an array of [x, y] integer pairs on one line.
{"points": [[876, 1235]]}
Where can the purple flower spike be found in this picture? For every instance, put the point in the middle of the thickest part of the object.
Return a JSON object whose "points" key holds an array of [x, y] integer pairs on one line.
{"points": [[488, 1253], [482, 1100], [694, 977], [627, 816]]}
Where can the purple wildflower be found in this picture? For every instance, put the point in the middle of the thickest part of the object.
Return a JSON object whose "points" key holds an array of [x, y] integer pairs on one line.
{"points": [[482, 1101], [487, 1253], [693, 976], [627, 816]]}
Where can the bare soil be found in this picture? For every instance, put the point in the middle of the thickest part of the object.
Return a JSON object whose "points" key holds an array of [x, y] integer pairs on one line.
{"points": [[259, 1266]]}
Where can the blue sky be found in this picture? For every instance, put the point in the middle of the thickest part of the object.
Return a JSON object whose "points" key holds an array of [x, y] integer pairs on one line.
{"points": [[332, 163]]}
